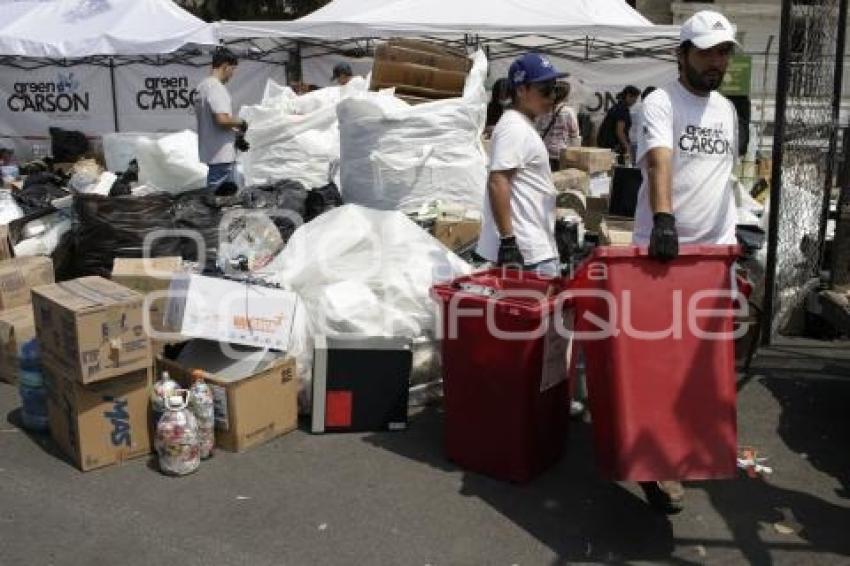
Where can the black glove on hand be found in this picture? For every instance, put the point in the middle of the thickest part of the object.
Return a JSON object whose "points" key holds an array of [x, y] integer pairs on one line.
{"points": [[241, 144], [243, 126], [664, 240], [509, 253]]}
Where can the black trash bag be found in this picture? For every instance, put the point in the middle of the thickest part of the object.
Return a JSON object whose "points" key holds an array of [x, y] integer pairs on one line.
{"points": [[64, 257], [321, 200], [283, 197], [566, 239], [67, 146], [751, 239], [122, 185], [110, 227], [131, 174], [38, 192], [201, 213]]}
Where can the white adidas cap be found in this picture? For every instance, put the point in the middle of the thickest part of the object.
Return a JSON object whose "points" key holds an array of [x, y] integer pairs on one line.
{"points": [[706, 29]]}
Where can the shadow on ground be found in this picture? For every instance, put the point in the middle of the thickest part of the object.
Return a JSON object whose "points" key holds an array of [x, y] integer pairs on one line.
{"points": [[568, 508]]}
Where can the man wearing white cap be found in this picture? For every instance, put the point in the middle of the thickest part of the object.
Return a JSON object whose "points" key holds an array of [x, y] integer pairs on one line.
{"points": [[686, 150]]}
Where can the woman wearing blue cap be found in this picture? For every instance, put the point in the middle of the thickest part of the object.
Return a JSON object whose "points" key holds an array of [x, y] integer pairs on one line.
{"points": [[519, 212]]}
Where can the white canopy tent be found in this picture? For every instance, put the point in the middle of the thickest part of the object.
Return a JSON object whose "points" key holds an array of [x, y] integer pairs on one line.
{"points": [[60, 29], [575, 29], [346, 19]]}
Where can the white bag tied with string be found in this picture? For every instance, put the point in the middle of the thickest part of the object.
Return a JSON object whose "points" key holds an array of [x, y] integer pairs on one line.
{"points": [[398, 157], [295, 137]]}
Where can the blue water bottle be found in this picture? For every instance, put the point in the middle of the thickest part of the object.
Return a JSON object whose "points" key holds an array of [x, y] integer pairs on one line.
{"points": [[31, 387]]}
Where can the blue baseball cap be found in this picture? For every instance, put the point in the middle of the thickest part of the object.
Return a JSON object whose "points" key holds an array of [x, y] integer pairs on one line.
{"points": [[533, 68]]}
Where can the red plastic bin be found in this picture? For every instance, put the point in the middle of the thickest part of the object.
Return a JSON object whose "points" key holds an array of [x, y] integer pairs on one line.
{"points": [[663, 405], [506, 400]]}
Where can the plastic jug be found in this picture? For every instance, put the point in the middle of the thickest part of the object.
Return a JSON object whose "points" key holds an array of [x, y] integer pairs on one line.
{"points": [[31, 387], [177, 443], [202, 405], [162, 390]]}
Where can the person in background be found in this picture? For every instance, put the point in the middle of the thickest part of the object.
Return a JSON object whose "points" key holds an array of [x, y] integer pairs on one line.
{"points": [[686, 152], [500, 100], [342, 73], [518, 227], [219, 132], [559, 126], [614, 130], [636, 113]]}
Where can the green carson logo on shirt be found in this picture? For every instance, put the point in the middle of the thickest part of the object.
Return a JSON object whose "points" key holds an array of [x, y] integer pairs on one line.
{"points": [[705, 141]]}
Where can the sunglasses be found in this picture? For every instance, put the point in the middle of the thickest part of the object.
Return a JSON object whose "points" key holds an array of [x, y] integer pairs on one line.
{"points": [[546, 89]]}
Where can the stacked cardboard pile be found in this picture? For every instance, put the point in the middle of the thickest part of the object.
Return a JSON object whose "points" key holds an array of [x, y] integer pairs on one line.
{"points": [[17, 277], [587, 170], [420, 71], [96, 362]]}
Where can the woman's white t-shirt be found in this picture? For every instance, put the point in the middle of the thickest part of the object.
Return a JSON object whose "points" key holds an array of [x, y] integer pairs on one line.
{"points": [[702, 132], [515, 144]]}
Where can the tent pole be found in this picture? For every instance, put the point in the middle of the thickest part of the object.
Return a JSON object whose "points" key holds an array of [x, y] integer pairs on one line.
{"points": [[114, 93], [586, 48]]}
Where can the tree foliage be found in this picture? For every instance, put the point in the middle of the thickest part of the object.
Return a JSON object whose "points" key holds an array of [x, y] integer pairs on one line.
{"points": [[213, 10]]}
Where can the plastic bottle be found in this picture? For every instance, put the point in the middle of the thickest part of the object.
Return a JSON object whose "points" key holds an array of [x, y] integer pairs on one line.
{"points": [[162, 390], [202, 405], [31, 387], [177, 443]]}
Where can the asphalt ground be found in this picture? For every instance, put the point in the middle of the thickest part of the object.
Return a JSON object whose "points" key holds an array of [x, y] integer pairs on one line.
{"points": [[393, 498]]}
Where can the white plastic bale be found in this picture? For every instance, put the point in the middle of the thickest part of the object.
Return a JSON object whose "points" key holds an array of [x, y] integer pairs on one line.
{"points": [[295, 137], [397, 157], [171, 163], [363, 271]]}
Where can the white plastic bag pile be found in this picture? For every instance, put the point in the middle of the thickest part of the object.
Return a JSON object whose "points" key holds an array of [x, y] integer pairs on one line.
{"points": [[361, 271], [171, 163], [398, 157], [295, 137]]}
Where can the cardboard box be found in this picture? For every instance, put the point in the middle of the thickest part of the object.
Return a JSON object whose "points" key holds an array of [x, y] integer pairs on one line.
{"points": [[457, 235], [571, 180], [149, 275], [100, 424], [229, 311], [428, 47], [93, 327], [417, 92], [616, 231], [401, 54], [391, 73], [17, 327], [18, 276], [251, 410], [7, 250], [588, 159]]}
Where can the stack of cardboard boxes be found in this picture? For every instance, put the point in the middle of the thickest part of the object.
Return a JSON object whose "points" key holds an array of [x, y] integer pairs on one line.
{"points": [[96, 361], [17, 277], [586, 171], [420, 71]]}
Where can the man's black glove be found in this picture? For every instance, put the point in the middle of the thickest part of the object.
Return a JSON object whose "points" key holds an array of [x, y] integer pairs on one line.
{"points": [[243, 126], [664, 240], [509, 253], [241, 144]]}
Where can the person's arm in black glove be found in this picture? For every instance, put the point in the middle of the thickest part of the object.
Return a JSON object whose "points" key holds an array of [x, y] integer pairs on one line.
{"points": [[664, 241], [509, 254], [499, 191]]}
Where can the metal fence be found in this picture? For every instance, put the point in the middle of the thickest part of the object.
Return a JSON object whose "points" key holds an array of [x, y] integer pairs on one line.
{"points": [[811, 56]]}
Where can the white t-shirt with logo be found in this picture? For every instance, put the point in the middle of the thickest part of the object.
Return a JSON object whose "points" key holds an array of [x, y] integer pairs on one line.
{"points": [[702, 132], [515, 144]]}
